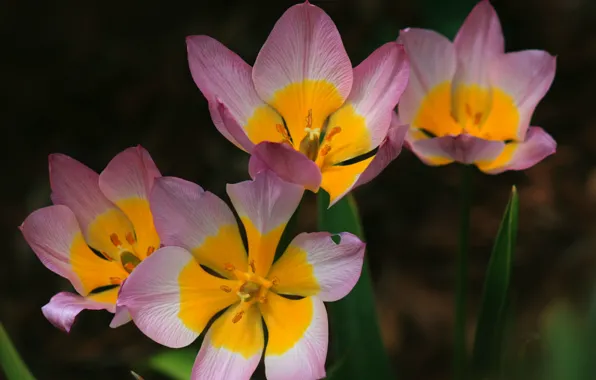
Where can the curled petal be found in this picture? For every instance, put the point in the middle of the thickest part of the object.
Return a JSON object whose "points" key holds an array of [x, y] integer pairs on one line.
{"points": [[444, 150], [224, 78], [289, 164], [265, 206], [303, 69], [519, 156], [363, 121], [388, 151], [64, 307], [314, 264]]}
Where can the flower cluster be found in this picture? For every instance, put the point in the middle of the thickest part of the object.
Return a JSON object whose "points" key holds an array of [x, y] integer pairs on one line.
{"points": [[170, 256]]}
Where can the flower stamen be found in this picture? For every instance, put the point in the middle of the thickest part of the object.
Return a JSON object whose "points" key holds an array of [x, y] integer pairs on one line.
{"points": [[150, 250], [309, 145], [130, 238], [225, 288], [115, 240]]}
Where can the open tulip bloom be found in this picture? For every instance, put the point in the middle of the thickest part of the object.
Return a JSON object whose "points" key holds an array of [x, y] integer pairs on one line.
{"points": [[302, 111], [204, 269], [470, 102], [99, 229]]}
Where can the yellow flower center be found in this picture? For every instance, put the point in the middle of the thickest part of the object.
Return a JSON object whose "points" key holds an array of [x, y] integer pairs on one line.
{"points": [[251, 288], [310, 145]]}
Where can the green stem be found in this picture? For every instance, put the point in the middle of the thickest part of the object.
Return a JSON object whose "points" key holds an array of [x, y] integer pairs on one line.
{"points": [[461, 288]]}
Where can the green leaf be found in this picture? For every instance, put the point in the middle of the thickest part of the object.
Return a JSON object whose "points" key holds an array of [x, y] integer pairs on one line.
{"points": [[10, 361], [490, 329], [355, 337], [174, 363]]}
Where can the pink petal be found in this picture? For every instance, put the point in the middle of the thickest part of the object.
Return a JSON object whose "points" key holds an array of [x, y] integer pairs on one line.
{"points": [[171, 299], [76, 186], [264, 206], [379, 82], [526, 76], [289, 164], [303, 45], [478, 42], [64, 307], [330, 270], [50, 232], [237, 350], [388, 151], [432, 62], [231, 125], [267, 200], [121, 317], [537, 146], [463, 148], [305, 359], [187, 216], [129, 175], [223, 77], [54, 235]]}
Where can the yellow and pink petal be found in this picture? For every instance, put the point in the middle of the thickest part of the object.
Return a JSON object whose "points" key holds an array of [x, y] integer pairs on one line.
{"points": [[303, 70], [289, 164], [127, 181], [361, 124], [426, 101], [319, 264], [388, 151], [54, 235], [478, 43], [521, 155], [521, 79], [264, 206], [232, 347], [339, 180], [105, 227], [187, 216], [298, 338], [465, 149], [171, 298], [224, 78], [64, 307]]}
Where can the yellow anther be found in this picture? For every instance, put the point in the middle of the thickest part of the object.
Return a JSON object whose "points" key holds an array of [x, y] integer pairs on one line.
{"points": [[129, 267], [334, 131], [238, 316], [115, 240], [229, 267], [130, 238], [325, 150], [225, 288], [252, 266], [115, 280], [150, 250]]}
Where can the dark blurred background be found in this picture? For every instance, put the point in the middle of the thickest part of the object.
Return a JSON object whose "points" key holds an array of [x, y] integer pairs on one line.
{"points": [[91, 78]]}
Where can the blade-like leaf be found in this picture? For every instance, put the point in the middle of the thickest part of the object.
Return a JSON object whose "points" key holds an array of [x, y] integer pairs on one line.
{"points": [[10, 361], [176, 364], [491, 320], [354, 329]]}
